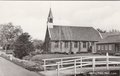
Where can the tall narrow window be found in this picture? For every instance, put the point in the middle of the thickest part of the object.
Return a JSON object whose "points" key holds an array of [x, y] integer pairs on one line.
{"points": [[102, 47], [106, 47], [92, 43], [56, 44], [99, 47], [110, 47], [76, 44], [66, 44], [84, 44]]}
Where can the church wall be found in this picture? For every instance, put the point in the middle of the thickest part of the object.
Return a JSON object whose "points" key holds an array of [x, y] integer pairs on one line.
{"points": [[82, 48], [55, 49], [65, 49], [75, 49], [61, 47], [71, 48]]}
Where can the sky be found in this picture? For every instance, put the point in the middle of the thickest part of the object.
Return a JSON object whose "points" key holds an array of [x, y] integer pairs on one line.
{"points": [[32, 15]]}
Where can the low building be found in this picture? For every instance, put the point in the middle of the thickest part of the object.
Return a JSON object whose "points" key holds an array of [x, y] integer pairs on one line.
{"points": [[110, 44], [70, 39]]}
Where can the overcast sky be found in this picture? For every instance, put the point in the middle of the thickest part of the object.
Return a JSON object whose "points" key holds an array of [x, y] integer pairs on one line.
{"points": [[32, 15]]}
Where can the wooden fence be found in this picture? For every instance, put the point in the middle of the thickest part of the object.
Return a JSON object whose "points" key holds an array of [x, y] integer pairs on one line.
{"points": [[74, 63]]}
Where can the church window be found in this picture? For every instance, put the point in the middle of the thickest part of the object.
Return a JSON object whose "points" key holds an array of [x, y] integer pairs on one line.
{"points": [[110, 47], [76, 44], [56, 44], [92, 43], [106, 47], [84, 45], [99, 47], [66, 44], [102, 47]]}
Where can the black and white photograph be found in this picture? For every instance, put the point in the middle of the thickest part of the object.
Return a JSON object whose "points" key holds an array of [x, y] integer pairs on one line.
{"points": [[59, 38]]}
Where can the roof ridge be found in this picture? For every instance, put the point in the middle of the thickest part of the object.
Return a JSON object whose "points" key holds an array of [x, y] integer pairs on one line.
{"points": [[71, 26]]}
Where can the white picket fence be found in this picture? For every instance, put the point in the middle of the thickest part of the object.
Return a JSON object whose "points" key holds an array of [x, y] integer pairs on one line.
{"points": [[74, 63]]}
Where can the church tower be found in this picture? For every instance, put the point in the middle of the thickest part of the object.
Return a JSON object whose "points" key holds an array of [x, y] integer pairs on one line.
{"points": [[50, 19]]}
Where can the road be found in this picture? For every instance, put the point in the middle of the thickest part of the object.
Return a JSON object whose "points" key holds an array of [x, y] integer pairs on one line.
{"points": [[8, 68]]}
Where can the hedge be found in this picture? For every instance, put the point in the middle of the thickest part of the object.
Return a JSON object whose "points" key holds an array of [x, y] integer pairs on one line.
{"points": [[29, 65]]}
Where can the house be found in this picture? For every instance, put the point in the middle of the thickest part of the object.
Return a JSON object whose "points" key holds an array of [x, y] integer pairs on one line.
{"points": [[69, 39], [110, 44]]}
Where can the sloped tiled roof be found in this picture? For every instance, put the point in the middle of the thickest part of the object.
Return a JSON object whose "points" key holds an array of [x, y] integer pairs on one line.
{"points": [[109, 34], [110, 39], [75, 33]]}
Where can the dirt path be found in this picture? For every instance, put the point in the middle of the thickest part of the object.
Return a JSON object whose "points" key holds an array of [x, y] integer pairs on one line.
{"points": [[8, 68]]}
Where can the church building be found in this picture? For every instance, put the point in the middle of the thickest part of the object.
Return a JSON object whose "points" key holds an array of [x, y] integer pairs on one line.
{"points": [[69, 39]]}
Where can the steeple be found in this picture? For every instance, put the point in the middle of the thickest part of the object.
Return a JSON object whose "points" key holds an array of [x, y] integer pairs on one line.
{"points": [[50, 19]]}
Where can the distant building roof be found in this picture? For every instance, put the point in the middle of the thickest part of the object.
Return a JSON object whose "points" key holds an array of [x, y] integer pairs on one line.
{"points": [[75, 33], [110, 39], [109, 33]]}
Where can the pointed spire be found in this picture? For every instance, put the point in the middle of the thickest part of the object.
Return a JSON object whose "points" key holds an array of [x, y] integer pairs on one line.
{"points": [[50, 14], [50, 17]]}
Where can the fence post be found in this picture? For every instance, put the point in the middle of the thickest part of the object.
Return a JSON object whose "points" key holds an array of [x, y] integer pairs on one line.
{"points": [[107, 60], [58, 67], [75, 67], [93, 64], [44, 63], [81, 62]]}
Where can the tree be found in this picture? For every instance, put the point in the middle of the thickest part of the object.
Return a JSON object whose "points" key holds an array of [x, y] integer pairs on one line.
{"points": [[23, 45], [114, 31], [101, 31], [8, 34], [37, 44]]}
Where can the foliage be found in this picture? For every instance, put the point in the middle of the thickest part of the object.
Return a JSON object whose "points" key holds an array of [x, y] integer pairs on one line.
{"points": [[101, 31], [114, 30], [29, 65], [37, 43], [8, 34], [23, 45]]}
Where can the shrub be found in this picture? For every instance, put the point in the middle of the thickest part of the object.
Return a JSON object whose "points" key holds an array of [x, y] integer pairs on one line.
{"points": [[29, 65]]}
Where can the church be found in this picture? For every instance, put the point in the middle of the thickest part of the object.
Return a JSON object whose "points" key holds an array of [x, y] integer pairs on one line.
{"points": [[69, 39]]}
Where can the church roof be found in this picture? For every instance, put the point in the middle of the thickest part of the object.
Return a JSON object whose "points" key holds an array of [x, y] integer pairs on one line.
{"points": [[110, 39], [75, 33]]}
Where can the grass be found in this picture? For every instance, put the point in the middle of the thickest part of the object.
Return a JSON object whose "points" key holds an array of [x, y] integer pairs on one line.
{"points": [[48, 56], [39, 58]]}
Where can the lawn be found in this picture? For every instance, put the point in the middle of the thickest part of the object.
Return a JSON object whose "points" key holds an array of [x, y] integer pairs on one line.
{"points": [[48, 56]]}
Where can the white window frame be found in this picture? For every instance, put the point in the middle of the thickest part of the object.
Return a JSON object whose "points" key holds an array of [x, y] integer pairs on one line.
{"points": [[102, 47], [106, 47], [110, 47], [99, 46], [56, 44], [66, 44], [84, 44], [75, 44]]}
